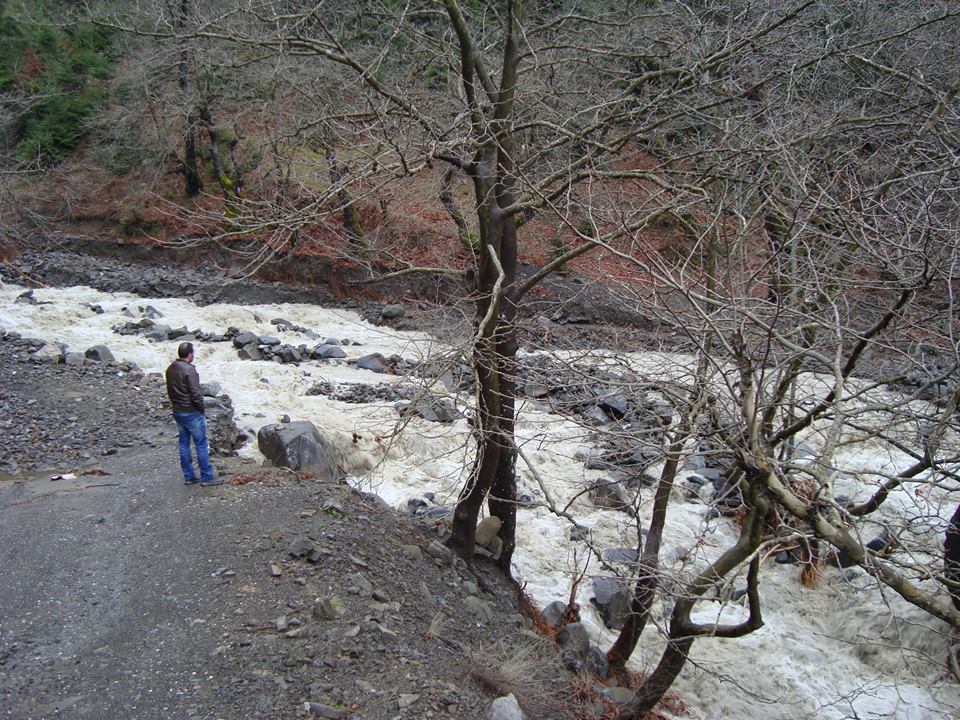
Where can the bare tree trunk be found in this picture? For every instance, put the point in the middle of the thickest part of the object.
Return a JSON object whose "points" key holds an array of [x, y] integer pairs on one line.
{"points": [[188, 165], [226, 183], [682, 630], [446, 198], [351, 218], [496, 344], [645, 589], [486, 361]]}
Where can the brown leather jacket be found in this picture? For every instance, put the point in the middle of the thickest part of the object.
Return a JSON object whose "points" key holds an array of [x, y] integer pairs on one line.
{"points": [[183, 387]]}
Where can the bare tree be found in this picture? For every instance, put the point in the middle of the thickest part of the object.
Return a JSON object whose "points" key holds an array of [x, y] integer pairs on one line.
{"points": [[804, 167]]}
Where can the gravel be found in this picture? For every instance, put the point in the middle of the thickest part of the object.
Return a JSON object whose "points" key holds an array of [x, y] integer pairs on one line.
{"points": [[128, 594]]}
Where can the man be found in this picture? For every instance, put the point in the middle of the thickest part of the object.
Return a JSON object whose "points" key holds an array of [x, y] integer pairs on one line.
{"points": [[183, 387]]}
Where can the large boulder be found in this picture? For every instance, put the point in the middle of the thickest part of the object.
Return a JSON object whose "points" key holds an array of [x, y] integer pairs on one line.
{"points": [[225, 437], [299, 446], [326, 351], [374, 362], [608, 493], [243, 339], [289, 354], [250, 352], [613, 403], [612, 598], [431, 410], [100, 353], [393, 312]]}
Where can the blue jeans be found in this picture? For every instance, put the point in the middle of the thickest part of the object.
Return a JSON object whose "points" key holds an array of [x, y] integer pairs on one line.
{"points": [[193, 425]]}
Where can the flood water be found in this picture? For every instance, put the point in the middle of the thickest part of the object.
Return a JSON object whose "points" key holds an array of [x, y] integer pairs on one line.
{"points": [[829, 652]]}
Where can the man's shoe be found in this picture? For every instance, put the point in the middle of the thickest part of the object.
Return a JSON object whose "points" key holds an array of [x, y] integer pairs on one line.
{"points": [[211, 482], [190, 481]]}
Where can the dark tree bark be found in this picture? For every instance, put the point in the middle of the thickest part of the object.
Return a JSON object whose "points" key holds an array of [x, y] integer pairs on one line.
{"points": [[188, 164], [351, 218], [648, 566], [446, 199], [683, 631], [951, 558], [492, 173], [230, 182]]}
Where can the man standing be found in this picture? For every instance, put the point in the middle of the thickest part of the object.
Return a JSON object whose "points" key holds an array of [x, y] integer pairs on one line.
{"points": [[183, 387]]}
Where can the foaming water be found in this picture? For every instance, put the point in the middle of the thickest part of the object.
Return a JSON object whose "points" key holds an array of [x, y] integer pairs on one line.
{"points": [[830, 652]]}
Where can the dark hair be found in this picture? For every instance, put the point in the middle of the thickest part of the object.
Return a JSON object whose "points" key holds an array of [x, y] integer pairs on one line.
{"points": [[185, 350]]}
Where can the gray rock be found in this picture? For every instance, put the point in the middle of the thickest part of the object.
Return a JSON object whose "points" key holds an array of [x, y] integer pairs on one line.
{"points": [[362, 584], [596, 662], [327, 351], [441, 411], [375, 362], [289, 354], [250, 352], [393, 312], [596, 415], [579, 533], [406, 700], [612, 598], [301, 546], [281, 323], [481, 608], [243, 339], [268, 340], [299, 446], [613, 402], [325, 711], [573, 636], [624, 555], [505, 708], [440, 551], [555, 613], [487, 530], [210, 389], [100, 353], [333, 341], [73, 358], [158, 333]]}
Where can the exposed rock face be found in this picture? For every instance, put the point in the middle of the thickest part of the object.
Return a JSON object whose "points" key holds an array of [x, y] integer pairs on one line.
{"points": [[299, 446]]}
